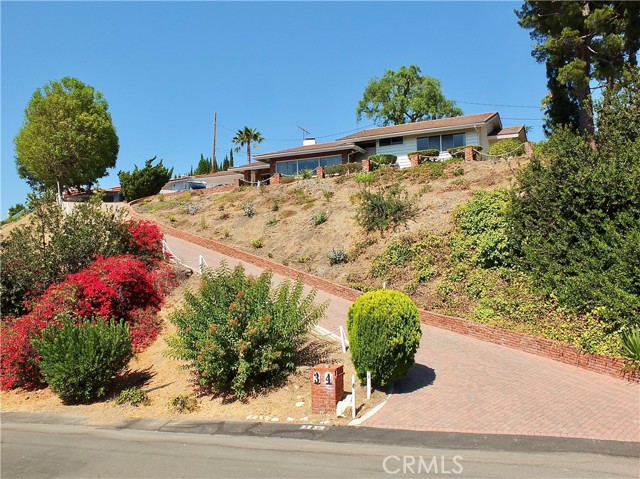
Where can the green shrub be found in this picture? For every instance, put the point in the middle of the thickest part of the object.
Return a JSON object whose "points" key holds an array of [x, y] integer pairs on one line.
{"points": [[334, 170], [338, 256], [320, 218], [183, 403], [384, 335], [285, 180], [306, 174], [327, 195], [53, 245], [387, 207], [575, 217], [271, 222], [508, 147], [133, 396], [485, 228], [364, 177], [257, 243], [383, 159], [238, 332], [79, 361], [146, 181]]}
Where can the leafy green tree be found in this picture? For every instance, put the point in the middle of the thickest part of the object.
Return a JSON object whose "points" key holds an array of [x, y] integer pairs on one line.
{"points": [[231, 158], [146, 181], [247, 137], [580, 42], [405, 96], [225, 163], [67, 137]]}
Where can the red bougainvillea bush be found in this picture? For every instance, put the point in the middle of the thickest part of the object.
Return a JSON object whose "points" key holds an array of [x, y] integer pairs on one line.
{"points": [[126, 287]]}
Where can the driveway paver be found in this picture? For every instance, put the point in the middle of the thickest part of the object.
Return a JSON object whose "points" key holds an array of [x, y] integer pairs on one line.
{"points": [[461, 384]]}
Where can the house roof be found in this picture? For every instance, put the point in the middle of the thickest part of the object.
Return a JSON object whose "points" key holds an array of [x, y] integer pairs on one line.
{"points": [[307, 149], [255, 165], [508, 130], [454, 122]]}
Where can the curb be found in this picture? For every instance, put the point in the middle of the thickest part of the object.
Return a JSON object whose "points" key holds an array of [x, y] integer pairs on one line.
{"points": [[348, 435]]}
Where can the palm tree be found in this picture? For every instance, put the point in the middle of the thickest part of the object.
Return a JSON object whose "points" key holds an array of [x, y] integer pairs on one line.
{"points": [[247, 137]]}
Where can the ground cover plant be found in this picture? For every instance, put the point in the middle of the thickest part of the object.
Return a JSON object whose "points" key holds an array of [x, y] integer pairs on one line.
{"points": [[239, 332]]}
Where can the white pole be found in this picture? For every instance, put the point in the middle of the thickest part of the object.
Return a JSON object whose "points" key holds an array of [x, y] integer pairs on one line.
{"points": [[384, 285], [353, 396], [164, 250], [200, 265], [342, 340], [368, 385]]}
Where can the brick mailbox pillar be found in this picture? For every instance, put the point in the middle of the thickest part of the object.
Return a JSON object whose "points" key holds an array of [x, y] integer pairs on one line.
{"points": [[366, 165], [327, 387]]}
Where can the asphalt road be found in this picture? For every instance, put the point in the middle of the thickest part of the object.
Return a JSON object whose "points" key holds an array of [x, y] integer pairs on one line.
{"points": [[31, 450]]}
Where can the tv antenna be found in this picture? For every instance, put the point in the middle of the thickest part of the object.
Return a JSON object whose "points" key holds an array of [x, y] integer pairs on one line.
{"points": [[304, 133]]}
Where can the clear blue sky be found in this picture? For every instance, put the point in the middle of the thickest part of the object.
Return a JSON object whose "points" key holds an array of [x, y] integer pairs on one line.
{"points": [[165, 67]]}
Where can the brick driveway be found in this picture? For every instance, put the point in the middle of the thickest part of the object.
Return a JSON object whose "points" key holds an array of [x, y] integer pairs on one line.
{"points": [[461, 384]]}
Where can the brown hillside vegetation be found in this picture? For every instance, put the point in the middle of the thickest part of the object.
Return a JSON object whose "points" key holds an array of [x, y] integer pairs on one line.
{"points": [[282, 227]]}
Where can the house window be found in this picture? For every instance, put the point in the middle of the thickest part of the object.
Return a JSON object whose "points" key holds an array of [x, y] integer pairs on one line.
{"points": [[396, 140], [295, 167], [441, 142]]}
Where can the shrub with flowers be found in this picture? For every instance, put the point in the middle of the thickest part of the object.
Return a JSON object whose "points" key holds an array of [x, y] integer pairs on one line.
{"points": [[238, 333], [120, 288]]}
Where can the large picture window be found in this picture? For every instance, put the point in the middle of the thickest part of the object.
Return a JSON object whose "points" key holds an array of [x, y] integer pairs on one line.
{"points": [[295, 167], [441, 142]]}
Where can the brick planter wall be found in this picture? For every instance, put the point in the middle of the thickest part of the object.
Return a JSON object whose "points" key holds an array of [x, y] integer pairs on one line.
{"points": [[468, 154], [366, 165], [555, 350]]}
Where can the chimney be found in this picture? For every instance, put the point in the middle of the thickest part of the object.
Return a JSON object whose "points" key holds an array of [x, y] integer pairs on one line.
{"points": [[308, 141]]}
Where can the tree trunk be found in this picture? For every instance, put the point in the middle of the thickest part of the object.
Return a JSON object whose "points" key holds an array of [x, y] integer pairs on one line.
{"points": [[585, 111], [248, 152]]}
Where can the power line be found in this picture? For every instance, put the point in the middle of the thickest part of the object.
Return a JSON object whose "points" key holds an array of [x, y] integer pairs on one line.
{"points": [[527, 119], [495, 104]]}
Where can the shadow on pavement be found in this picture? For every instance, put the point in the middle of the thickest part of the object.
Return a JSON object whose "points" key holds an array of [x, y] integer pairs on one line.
{"points": [[418, 377]]}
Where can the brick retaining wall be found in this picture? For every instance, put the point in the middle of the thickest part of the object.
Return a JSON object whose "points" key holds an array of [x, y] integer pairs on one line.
{"points": [[555, 350]]}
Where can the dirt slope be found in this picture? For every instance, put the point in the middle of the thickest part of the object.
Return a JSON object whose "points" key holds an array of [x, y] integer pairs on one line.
{"points": [[282, 219]]}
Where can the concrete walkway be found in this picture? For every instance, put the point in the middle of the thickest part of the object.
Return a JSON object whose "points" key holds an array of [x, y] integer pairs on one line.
{"points": [[461, 384]]}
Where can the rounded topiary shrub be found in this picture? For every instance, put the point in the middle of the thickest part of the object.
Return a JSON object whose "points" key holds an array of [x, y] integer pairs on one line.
{"points": [[384, 335]]}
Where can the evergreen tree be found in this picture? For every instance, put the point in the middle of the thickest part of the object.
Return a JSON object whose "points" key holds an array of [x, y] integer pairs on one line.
{"points": [[585, 45], [231, 158], [225, 163]]}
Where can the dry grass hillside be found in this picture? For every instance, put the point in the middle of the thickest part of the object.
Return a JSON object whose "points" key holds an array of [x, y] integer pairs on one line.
{"points": [[282, 226]]}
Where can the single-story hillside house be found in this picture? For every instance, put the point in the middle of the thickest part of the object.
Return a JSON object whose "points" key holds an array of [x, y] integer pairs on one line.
{"points": [[482, 129], [209, 180]]}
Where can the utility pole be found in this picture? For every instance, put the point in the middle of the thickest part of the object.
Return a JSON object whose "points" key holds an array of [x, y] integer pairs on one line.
{"points": [[215, 124]]}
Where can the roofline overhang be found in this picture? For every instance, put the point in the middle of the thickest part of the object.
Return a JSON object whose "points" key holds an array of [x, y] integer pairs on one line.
{"points": [[333, 149], [248, 167], [428, 130]]}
